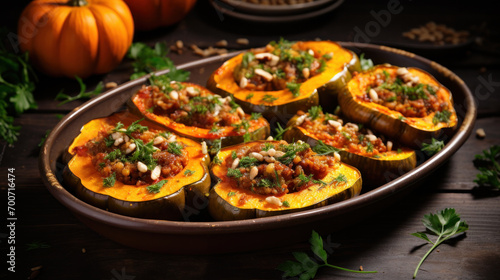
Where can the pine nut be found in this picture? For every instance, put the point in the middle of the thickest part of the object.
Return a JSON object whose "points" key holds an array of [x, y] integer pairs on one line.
{"points": [[480, 133], [240, 112], [258, 156], [243, 82], [192, 91], [335, 124], [269, 159], [118, 141], [389, 146], [235, 163], [402, 71], [141, 167], [266, 75], [371, 137], [271, 152], [373, 95], [158, 140], [174, 95], [306, 72], [155, 174], [270, 138], [254, 171], [300, 119], [204, 148], [131, 147], [336, 156], [274, 200]]}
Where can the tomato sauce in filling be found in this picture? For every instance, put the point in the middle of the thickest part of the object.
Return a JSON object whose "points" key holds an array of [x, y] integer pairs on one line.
{"points": [[401, 91], [278, 66], [135, 155], [277, 169]]}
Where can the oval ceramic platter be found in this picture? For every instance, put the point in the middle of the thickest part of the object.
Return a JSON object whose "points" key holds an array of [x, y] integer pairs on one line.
{"points": [[207, 237]]}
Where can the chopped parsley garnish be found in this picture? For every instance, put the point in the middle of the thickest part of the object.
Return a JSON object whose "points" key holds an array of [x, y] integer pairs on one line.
{"points": [[269, 98], [236, 173], [188, 172], [488, 164], [249, 96], [247, 137], [432, 148], [268, 146], [109, 181], [216, 146], [229, 194], [286, 203], [341, 178], [109, 141], [294, 88], [265, 183], [255, 116], [233, 155], [135, 126], [323, 149], [247, 58], [280, 131], [248, 161], [144, 153], [366, 63], [291, 150], [175, 148], [369, 147], [155, 188], [214, 130], [315, 112], [115, 154], [401, 118], [443, 116]]}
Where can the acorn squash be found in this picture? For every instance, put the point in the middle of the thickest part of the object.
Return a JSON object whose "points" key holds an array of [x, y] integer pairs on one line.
{"points": [[174, 182], [284, 77], [406, 104], [281, 178], [356, 145], [196, 113]]}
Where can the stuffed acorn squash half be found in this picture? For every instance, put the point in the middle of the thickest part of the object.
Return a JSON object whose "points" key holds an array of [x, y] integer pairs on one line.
{"points": [[192, 111], [136, 168], [284, 77], [265, 178], [379, 160], [406, 104]]}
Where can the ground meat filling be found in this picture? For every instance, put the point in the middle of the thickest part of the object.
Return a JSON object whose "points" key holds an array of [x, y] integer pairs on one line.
{"points": [[278, 66], [330, 129], [401, 91], [135, 155], [193, 107], [277, 168]]}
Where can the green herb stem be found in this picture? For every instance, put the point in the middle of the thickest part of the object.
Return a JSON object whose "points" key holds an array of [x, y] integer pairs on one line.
{"points": [[346, 269]]}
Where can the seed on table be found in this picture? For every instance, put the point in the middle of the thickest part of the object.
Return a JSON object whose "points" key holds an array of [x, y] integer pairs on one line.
{"points": [[480, 133], [242, 41], [179, 44], [110, 85], [221, 43]]}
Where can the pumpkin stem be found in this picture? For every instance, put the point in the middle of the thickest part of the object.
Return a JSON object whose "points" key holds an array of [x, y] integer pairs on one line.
{"points": [[77, 3]]}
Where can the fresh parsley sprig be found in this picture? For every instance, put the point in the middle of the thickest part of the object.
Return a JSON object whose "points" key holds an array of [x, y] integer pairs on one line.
{"points": [[433, 148], [306, 267], [445, 224], [280, 131], [488, 164], [83, 94], [323, 149], [366, 63]]}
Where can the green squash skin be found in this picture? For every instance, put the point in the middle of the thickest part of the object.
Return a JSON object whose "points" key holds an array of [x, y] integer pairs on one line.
{"points": [[221, 210], [375, 171], [328, 93]]}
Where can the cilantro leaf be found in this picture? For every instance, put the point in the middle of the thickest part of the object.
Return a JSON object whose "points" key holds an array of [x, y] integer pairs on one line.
{"points": [[155, 188], [445, 224]]}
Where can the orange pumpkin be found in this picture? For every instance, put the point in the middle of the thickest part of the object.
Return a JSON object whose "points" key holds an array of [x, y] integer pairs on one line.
{"points": [[150, 14], [76, 37]]}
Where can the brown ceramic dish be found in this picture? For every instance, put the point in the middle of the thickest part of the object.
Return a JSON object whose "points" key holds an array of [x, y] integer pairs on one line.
{"points": [[207, 237]]}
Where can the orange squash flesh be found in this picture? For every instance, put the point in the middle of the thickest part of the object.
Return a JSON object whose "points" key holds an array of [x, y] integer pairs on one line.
{"points": [[226, 198], [87, 182], [411, 131]]}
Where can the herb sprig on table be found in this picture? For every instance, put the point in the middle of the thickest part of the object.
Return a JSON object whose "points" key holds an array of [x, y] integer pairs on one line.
{"points": [[83, 94], [433, 148], [16, 90], [306, 267], [147, 60], [489, 168], [444, 225]]}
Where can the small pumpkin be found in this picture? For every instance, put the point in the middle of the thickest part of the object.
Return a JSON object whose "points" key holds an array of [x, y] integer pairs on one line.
{"points": [[405, 104], [377, 161], [150, 14], [76, 37], [280, 105], [202, 116], [265, 197], [166, 196]]}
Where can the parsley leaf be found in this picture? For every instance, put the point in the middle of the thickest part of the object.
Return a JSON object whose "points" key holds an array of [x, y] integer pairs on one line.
{"points": [[82, 94], [366, 63], [322, 149], [236, 173], [432, 148], [294, 88], [155, 188], [280, 131], [255, 116], [175, 148], [109, 181], [488, 164], [189, 172], [315, 112], [268, 98], [305, 266], [444, 225], [443, 116]]}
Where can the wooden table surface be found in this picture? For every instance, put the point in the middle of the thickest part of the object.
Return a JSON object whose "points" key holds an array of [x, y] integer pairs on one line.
{"points": [[382, 241]]}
